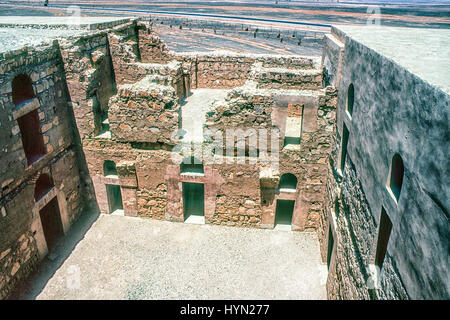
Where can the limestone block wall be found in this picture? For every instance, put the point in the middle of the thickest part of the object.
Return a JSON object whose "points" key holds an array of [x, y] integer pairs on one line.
{"points": [[333, 50], [387, 117], [279, 78], [90, 79], [144, 112], [233, 207], [152, 48], [105, 93], [98, 151], [222, 72], [45, 71], [153, 200], [22, 241], [168, 74], [124, 45], [137, 52], [17, 261], [249, 108], [230, 70]]}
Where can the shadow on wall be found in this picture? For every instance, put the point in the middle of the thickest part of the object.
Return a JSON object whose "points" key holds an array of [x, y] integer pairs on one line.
{"points": [[32, 286]]}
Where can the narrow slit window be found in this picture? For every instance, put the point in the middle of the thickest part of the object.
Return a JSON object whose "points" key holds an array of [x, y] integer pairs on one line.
{"points": [[344, 143], [384, 232], [330, 246], [396, 176], [350, 99]]}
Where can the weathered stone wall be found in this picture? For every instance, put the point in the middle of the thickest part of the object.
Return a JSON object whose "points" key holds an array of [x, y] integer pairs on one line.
{"points": [[16, 262], [230, 70], [144, 112], [133, 125], [250, 108], [124, 45], [394, 112], [238, 208], [279, 78], [152, 48], [90, 80], [22, 242], [332, 59], [45, 71], [137, 52]]}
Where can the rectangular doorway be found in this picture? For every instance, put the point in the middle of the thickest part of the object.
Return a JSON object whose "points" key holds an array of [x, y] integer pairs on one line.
{"points": [[114, 199], [51, 223], [194, 202], [283, 214]]}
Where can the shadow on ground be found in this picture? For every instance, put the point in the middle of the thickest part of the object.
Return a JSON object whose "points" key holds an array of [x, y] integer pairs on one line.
{"points": [[32, 286]]}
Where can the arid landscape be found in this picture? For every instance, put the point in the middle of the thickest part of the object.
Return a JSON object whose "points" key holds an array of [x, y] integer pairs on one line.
{"points": [[248, 26], [224, 150]]}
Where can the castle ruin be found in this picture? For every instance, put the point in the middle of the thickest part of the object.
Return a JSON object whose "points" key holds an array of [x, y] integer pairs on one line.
{"points": [[351, 145]]}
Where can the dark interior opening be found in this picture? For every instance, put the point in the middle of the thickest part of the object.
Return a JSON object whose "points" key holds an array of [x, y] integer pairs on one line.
{"points": [[350, 98], [397, 172], [32, 140], [114, 197], [22, 89], [330, 246], [291, 140], [288, 181], [191, 165], [43, 185], [193, 199], [384, 232], [109, 168], [51, 223], [284, 211], [344, 143], [29, 125]]}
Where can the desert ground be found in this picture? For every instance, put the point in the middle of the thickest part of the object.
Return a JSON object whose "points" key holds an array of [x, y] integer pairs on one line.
{"points": [[256, 27]]}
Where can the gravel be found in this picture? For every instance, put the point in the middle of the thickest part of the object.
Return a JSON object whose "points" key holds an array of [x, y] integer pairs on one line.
{"points": [[135, 258]]}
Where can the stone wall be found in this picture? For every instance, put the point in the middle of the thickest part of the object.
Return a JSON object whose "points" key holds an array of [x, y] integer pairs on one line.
{"points": [[279, 78], [231, 70], [152, 48], [393, 112], [144, 112], [22, 241], [90, 80], [124, 45], [250, 108], [16, 262]]}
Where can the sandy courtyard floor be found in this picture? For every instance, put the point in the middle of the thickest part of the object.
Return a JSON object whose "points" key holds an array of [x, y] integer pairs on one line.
{"points": [[134, 258]]}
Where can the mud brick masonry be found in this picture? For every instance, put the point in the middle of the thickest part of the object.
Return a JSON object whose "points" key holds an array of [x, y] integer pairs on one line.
{"points": [[92, 120]]}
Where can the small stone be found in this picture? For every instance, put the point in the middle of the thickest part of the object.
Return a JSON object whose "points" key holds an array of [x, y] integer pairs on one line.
{"points": [[15, 268]]}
